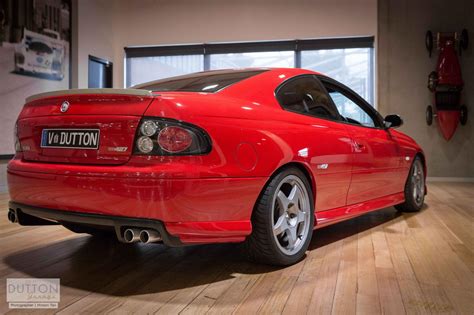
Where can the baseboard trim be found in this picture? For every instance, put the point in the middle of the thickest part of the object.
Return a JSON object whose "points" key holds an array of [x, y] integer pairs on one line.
{"points": [[451, 179]]}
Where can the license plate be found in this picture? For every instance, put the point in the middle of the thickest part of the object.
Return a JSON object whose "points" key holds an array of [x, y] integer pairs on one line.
{"points": [[70, 138]]}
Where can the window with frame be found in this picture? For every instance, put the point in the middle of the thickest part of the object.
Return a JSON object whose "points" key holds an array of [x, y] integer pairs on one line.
{"points": [[349, 109], [206, 82], [305, 95], [348, 60]]}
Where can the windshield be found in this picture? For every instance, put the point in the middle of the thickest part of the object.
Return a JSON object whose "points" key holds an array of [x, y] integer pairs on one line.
{"points": [[210, 82], [40, 47]]}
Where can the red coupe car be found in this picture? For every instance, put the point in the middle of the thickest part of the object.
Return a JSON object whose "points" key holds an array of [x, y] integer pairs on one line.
{"points": [[259, 156]]}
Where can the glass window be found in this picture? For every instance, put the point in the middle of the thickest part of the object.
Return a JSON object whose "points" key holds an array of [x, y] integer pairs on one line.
{"points": [[146, 69], [210, 82], [350, 111], [305, 95], [275, 59], [351, 66]]}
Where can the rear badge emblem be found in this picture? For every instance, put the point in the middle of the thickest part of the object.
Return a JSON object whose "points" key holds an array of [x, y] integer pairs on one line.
{"points": [[117, 149], [64, 106]]}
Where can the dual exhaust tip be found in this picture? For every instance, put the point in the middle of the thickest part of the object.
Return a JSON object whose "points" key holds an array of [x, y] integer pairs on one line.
{"points": [[133, 235], [130, 235], [12, 216]]}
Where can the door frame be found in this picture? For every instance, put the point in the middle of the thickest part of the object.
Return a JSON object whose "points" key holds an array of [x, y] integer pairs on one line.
{"points": [[106, 63]]}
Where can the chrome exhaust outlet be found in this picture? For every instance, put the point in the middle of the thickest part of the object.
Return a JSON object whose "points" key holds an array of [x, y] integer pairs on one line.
{"points": [[131, 235], [12, 216], [150, 236]]}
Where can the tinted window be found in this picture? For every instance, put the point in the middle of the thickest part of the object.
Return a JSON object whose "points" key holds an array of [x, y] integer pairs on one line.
{"points": [[307, 96], [210, 82], [350, 110], [40, 47]]}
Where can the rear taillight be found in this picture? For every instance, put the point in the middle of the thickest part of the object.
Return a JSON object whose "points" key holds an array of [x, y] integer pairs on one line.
{"points": [[16, 139], [158, 136]]}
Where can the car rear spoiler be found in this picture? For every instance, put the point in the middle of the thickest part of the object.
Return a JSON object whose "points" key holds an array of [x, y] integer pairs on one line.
{"points": [[133, 92]]}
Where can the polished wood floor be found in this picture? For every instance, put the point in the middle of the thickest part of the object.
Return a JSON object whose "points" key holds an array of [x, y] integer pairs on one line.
{"points": [[382, 262]]}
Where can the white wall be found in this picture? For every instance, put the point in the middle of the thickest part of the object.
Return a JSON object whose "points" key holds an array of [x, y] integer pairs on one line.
{"points": [[163, 22], [3, 175], [93, 34]]}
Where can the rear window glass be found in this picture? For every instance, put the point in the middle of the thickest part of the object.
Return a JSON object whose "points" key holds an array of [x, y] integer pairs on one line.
{"points": [[209, 82]]}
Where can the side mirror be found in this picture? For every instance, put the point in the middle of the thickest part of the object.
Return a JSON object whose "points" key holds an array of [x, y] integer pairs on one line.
{"points": [[392, 121]]}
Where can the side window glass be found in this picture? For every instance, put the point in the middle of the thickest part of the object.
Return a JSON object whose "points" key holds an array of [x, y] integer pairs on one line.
{"points": [[306, 95], [350, 110]]}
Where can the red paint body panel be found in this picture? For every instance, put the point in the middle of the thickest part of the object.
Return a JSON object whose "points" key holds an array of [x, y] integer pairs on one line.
{"points": [[449, 70], [449, 82], [206, 198], [448, 122]]}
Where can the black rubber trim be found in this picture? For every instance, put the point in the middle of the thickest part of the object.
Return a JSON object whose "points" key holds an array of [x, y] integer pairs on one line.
{"points": [[31, 215]]}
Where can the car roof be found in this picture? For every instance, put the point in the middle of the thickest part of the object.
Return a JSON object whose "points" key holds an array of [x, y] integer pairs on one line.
{"points": [[289, 72]]}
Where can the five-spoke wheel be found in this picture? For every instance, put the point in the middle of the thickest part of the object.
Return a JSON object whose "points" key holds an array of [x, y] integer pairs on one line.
{"points": [[291, 212], [414, 188], [283, 220]]}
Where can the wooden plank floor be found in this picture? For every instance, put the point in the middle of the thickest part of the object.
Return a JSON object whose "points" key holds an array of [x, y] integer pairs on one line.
{"points": [[382, 262]]}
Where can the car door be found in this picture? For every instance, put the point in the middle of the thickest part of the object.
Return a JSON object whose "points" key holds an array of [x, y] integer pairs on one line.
{"points": [[329, 145], [376, 158]]}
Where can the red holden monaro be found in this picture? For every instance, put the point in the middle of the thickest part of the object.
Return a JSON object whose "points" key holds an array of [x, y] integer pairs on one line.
{"points": [[260, 156]]}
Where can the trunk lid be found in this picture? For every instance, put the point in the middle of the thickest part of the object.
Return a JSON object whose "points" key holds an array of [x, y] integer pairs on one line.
{"points": [[110, 115]]}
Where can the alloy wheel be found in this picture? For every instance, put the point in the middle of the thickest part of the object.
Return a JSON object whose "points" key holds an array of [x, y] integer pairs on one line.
{"points": [[291, 212], [418, 183]]}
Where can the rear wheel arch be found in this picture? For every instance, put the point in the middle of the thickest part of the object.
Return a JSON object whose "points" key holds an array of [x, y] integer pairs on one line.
{"points": [[263, 244], [303, 168]]}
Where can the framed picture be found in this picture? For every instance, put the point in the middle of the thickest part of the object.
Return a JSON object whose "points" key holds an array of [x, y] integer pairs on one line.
{"points": [[35, 38]]}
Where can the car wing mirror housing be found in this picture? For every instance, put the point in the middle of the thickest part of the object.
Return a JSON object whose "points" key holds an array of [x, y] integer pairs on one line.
{"points": [[392, 121]]}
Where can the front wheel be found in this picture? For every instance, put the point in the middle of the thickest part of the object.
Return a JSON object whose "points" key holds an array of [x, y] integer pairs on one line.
{"points": [[429, 115], [463, 117], [429, 42], [414, 188], [282, 221], [464, 40]]}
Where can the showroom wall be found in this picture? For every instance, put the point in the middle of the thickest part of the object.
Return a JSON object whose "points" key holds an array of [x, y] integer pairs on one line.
{"points": [[403, 68], [160, 22], [93, 34]]}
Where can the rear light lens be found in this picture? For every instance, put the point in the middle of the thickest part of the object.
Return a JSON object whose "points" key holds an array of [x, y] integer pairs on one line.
{"points": [[16, 139], [145, 144], [148, 128], [158, 136], [174, 139]]}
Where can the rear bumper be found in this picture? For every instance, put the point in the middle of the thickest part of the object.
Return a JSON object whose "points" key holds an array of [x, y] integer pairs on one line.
{"points": [[194, 210], [28, 215]]}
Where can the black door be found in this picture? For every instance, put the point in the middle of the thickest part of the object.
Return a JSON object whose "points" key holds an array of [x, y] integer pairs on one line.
{"points": [[100, 73]]}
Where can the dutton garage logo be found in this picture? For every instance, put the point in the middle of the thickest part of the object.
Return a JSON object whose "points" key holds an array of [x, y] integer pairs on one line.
{"points": [[33, 292], [65, 106]]}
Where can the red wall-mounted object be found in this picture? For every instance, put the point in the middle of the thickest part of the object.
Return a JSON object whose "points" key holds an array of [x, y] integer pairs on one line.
{"points": [[446, 82]]}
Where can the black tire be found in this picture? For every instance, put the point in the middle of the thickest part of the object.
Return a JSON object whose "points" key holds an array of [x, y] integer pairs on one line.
{"points": [[414, 201], [429, 115], [433, 81], [464, 40], [463, 117], [91, 230], [264, 245], [429, 42]]}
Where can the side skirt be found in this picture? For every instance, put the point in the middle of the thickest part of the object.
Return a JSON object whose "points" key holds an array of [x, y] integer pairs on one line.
{"points": [[324, 218]]}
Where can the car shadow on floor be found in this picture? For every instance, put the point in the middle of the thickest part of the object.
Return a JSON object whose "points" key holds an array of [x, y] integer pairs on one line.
{"points": [[111, 268]]}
